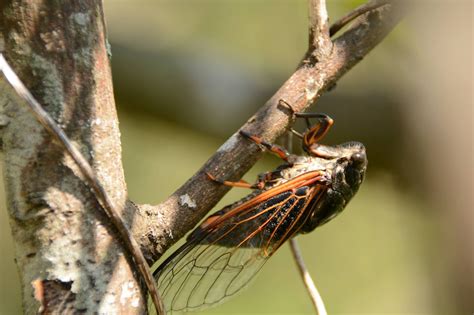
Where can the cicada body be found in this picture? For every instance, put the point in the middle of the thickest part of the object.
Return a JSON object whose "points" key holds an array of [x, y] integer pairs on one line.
{"points": [[223, 254]]}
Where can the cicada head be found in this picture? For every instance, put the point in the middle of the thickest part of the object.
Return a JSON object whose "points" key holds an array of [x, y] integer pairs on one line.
{"points": [[350, 167], [347, 164]]}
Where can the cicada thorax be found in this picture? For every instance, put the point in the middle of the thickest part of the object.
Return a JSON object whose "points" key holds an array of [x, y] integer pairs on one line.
{"points": [[347, 164]]}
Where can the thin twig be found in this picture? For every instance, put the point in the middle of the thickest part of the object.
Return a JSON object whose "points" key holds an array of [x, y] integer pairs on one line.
{"points": [[308, 281], [319, 39], [108, 206], [295, 250], [367, 7]]}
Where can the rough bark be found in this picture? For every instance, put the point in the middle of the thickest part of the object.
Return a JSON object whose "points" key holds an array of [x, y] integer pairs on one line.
{"points": [[65, 248]]}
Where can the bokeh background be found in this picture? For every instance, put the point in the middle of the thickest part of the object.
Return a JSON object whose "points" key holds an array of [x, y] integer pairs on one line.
{"points": [[188, 73]]}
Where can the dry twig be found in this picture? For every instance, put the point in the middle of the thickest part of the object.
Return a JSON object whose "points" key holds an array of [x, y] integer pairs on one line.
{"points": [[346, 19], [319, 38], [307, 280]]}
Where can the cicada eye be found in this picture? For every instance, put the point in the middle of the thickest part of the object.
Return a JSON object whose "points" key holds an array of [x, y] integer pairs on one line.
{"points": [[359, 159]]}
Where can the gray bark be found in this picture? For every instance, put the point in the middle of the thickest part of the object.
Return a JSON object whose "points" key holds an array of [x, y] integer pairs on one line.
{"points": [[64, 245]]}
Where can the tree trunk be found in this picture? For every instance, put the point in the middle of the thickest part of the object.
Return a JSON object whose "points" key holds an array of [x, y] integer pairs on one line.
{"points": [[68, 258]]}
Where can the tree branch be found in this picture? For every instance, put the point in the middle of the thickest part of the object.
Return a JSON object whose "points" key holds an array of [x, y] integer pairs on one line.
{"points": [[319, 40], [158, 227], [367, 7]]}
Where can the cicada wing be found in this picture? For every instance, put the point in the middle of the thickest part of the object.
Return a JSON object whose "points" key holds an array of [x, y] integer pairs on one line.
{"points": [[215, 264], [207, 275]]}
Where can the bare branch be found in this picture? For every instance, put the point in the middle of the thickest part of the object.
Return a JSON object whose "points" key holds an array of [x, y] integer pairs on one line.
{"points": [[107, 204], [157, 227], [307, 280], [366, 7], [319, 39]]}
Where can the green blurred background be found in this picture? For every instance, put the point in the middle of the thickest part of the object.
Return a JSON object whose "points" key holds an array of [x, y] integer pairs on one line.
{"points": [[188, 73]]}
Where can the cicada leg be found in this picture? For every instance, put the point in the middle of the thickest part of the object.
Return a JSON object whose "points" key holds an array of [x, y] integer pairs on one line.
{"points": [[318, 131], [296, 133], [279, 151], [259, 184], [315, 132], [262, 178]]}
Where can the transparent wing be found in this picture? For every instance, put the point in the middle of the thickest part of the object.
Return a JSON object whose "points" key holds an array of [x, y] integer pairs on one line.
{"points": [[216, 262]]}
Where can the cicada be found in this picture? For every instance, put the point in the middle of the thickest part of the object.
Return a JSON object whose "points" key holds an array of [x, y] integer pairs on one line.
{"points": [[224, 253]]}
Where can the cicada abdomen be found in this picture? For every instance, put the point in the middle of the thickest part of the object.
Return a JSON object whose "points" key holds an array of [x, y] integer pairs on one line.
{"points": [[223, 254]]}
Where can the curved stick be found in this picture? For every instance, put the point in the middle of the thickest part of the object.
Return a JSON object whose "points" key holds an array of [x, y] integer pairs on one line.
{"points": [[307, 280], [367, 7]]}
